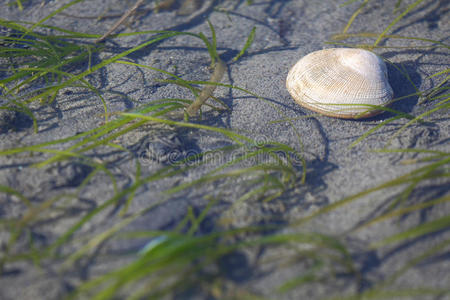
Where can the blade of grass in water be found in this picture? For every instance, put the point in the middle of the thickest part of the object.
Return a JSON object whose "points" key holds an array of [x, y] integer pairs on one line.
{"points": [[343, 36], [402, 211], [248, 43], [396, 20], [51, 15], [159, 175], [175, 253], [355, 14], [348, 2], [401, 180], [420, 230], [416, 260], [19, 5], [162, 35], [13, 192], [445, 105], [121, 279], [397, 294], [439, 73], [372, 130]]}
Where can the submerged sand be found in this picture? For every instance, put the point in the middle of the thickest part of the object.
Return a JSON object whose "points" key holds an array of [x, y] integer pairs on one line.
{"points": [[285, 31]]}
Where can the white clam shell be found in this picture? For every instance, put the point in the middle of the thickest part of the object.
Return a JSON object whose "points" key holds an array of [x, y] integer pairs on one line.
{"points": [[340, 82]]}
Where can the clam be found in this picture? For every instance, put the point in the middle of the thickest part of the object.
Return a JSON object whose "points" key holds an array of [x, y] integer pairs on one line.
{"points": [[340, 82]]}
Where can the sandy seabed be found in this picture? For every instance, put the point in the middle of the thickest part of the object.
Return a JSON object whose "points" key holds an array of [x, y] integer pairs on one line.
{"points": [[285, 31]]}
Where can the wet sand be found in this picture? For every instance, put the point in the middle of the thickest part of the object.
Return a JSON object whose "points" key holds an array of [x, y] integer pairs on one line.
{"points": [[285, 31]]}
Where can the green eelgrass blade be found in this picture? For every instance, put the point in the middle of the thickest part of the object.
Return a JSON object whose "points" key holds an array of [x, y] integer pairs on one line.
{"points": [[416, 260], [97, 133], [100, 238], [132, 193], [19, 5], [178, 80], [104, 63], [163, 173], [309, 277], [397, 294], [20, 224], [93, 136], [441, 153], [348, 2], [232, 173], [372, 130], [87, 84], [442, 106], [51, 15], [316, 239], [395, 182], [343, 36], [85, 160], [70, 34], [279, 167], [232, 135], [420, 230], [440, 87], [13, 192], [248, 43], [64, 237], [355, 14], [397, 5], [303, 161], [439, 73], [402, 211], [162, 35], [214, 43], [21, 73], [173, 257], [396, 20], [371, 47], [195, 223]]}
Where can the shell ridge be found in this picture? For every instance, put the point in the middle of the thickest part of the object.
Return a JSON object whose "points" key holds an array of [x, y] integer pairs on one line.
{"points": [[340, 82]]}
